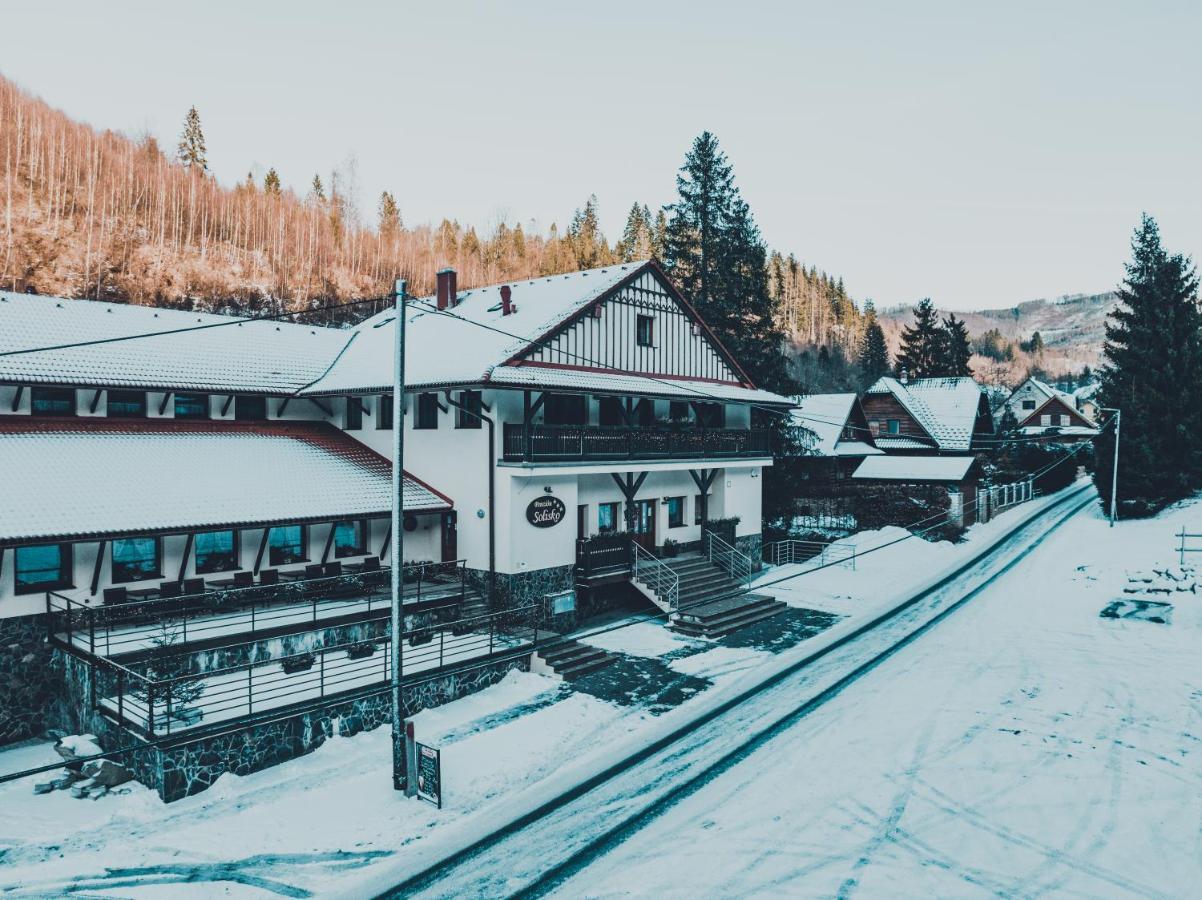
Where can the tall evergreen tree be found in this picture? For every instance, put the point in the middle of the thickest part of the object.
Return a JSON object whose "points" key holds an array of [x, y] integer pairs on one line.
{"points": [[874, 352], [585, 237], [922, 347], [713, 250], [317, 191], [191, 150], [636, 236], [271, 183], [390, 214], [957, 347], [659, 232], [1153, 366]]}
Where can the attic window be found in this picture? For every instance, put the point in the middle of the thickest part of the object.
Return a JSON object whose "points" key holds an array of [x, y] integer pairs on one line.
{"points": [[645, 331]]}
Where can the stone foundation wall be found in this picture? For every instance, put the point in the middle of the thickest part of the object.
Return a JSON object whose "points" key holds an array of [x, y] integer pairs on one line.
{"points": [[188, 768], [31, 680], [519, 589]]}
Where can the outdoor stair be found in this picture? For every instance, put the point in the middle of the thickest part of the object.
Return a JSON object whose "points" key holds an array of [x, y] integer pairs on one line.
{"points": [[569, 659], [712, 603]]}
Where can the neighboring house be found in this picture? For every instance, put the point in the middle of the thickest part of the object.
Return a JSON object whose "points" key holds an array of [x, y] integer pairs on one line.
{"points": [[958, 475], [226, 489], [1087, 401], [944, 415], [833, 433], [1041, 409]]}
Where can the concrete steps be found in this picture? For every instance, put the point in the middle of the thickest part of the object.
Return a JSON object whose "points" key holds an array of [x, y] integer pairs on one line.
{"points": [[720, 617], [569, 659]]}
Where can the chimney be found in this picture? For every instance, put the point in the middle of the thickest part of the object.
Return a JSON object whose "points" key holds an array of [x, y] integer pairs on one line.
{"points": [[506, 305], [446, 288], [905, 377]]}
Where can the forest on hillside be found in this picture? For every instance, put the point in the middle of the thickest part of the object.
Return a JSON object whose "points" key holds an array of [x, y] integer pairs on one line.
{"points": [[97, 214]]}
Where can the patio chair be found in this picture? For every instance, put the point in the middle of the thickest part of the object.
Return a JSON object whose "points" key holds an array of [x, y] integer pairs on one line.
{"points": [[243, 579], [313, 570], [116, 595], [170, 589], [194, 586], [332, 570], [371, 564], [269, 576]]}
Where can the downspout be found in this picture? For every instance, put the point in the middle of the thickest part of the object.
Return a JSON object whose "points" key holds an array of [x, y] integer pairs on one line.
{"points": [[492, 508]]}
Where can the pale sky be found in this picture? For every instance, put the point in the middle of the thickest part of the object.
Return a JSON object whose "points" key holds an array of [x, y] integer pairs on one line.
{"points": [[979, 153]]}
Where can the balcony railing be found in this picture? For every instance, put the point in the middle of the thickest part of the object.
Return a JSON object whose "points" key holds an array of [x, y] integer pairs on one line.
{"points": [[138, 626], [166, 695], [583, 443]]}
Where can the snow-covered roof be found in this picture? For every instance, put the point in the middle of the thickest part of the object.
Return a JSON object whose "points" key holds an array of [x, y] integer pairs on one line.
{"points": [[945, 407], [901, 442], [825, 416], [1087, 391], [1065, 430], [238, 355], [474, 343], [1050, 391], [75, 479], [915, 468]]}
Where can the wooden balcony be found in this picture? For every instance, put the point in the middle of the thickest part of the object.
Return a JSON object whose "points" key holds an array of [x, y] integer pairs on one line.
{"points": [[587, 443]]}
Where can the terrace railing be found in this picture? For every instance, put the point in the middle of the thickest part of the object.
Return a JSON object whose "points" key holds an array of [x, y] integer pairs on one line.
{"points": [[656, 575], [737, 564], [149, 625], [603, 554], [559, 443], [164, 697], [789, 552]]}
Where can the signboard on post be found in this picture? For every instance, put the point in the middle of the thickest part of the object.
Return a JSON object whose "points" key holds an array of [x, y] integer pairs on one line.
{"points": [[429, 774], [545, 511]]}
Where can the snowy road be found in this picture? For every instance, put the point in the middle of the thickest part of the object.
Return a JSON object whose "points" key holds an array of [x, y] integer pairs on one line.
{"points": [[1026, 746]]}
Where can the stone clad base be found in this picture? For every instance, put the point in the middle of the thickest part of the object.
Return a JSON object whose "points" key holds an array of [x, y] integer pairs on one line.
{"points": [[31, 679], [181, 769]]}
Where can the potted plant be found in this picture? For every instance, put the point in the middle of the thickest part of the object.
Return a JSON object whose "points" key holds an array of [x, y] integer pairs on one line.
{"points": [[671, 547], [302, 662]]}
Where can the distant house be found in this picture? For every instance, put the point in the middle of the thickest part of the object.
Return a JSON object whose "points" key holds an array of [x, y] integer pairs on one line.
{"points": [[958, 475], [940, 415], [833, 427], [1041, 409], [1087, 400]]}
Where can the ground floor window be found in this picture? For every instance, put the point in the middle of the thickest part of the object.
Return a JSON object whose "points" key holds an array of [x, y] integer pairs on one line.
{"points": [[675, 512], [607, 518], [287, 545], [43, 567], [216, 551], [137, 559], [350, 539]]}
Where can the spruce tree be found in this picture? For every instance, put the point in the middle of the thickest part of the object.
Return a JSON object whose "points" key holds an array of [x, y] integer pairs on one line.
{"points": [[317, 191], [922, 344], [874, 352], [191, 150], [713, 250], [957, 347], [1153, 366], [271, 183], [585, 237], [390, 214], [636, 236], [659, 232]]}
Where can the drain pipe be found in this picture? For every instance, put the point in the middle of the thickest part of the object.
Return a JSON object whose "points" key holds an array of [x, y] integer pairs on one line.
{"points": [[492, 506]]}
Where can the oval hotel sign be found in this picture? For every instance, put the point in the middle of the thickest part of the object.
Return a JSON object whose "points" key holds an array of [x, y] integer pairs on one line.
{"points": [[545, 511]]}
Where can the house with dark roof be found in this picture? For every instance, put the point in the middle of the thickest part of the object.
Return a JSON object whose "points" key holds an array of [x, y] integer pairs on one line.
{"points": [[928, 415]]}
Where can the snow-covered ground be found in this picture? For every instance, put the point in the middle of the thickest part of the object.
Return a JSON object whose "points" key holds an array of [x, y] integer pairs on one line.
{"points": [[309, 824], [1025, 746]]}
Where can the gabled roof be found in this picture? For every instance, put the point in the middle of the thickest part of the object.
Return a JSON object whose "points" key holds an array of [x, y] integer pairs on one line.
{"points": [[107, 477], [1047, 390], [1064, 403], [238, 355], [474, 343], [946, 408], [825, 416], [915, 468]]}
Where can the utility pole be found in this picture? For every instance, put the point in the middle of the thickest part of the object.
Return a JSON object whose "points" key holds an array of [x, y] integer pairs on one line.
{"points": [[399, 769], [1114, 472]]}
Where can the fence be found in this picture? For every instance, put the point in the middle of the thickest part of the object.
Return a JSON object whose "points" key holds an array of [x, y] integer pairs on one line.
{"points": [[738, 565], [789, 551], [1183, 547], [164, 697], [993, 499], [139, 625]]}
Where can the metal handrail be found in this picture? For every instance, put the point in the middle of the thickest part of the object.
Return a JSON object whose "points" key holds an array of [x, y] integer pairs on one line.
{"points": [[657, 575], [247, 610], [734, 562], [790, 551]]}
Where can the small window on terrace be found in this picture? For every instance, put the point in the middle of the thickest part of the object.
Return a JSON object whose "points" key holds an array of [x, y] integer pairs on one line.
{"points": [[287, 545], [350, 539], [43, 567], [678, 410], [565, 409], [52, 401], [216, 551], [607, 518], [384, 412], [712, 415], [191, 406], [470, 417], [427, 411], [645, 331], [353, 418], [609, 412], [250, 408], [127, 404], [137, 559]]}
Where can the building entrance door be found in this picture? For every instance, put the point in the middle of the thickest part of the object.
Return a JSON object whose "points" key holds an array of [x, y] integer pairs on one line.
{"points": [[450, 538], [644, 524]]}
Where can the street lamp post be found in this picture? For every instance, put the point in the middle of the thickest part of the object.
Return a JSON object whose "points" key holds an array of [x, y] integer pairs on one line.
{"points": [[1114, 472], [399, 782]]}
